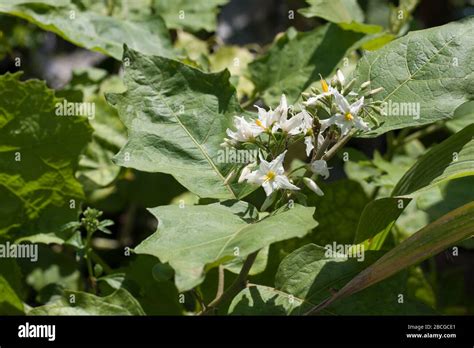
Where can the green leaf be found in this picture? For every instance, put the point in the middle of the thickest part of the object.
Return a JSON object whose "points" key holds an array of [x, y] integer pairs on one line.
{"points": [[308, 275], [295, 61], [38, 154], [92, 29], [193, 238], [176, 123], [189, 15], [10, 303], [463, 117], [453, 158], [118, 303], [377, 219], [346, 13], [409, 70], [430, 240]]}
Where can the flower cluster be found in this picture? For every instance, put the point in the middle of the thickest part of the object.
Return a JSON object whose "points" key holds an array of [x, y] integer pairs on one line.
{"points": [[275, 131]]}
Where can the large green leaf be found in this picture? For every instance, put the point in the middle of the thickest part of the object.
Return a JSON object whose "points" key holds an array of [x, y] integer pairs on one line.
{"points": [[453, 158], [430, 240], [432, 69], [189, 15], [81, 303], [38, 154], [295, 61], [346, 13], [308, 275], [92, 29], [195, 237], [176, 121]]}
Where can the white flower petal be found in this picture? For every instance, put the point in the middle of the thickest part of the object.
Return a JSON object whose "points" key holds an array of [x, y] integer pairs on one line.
{"points": [[341, 102], [283, 182], [309, 144], [320, 167], [268, 187], [355, 107]]}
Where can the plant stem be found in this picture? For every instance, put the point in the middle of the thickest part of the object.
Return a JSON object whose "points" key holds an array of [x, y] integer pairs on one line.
{"points": [[221, 283], [90, 270], [333, 150], [239, 284]]}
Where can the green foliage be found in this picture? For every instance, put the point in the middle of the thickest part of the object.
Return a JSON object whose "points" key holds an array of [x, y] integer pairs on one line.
{"points": [[187, 145], [296, 60], [212, 234], [39, 152], [94, 30], [309, 275], [189, 15], [80, 303], [415, 77]]}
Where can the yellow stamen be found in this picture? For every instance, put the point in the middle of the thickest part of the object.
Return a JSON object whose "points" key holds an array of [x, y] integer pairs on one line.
{"points": [[324, 85], [348, 116], [270, 176], [260, 124]]}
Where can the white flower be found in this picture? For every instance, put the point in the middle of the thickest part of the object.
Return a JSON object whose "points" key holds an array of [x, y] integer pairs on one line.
{"points": [[245, 130], [348, 116], [307, 129], [320, 167], [313, 186], [267, 119], [271, 175], [290, 126]]}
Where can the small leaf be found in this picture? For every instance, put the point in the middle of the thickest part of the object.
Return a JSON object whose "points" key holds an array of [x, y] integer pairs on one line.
{"points": [[118, 303]]}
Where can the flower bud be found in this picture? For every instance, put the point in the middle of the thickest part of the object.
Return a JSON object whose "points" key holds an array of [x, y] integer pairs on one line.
{"points": [[375, 91], [313, 186], [340, 77], [364, 85]]}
